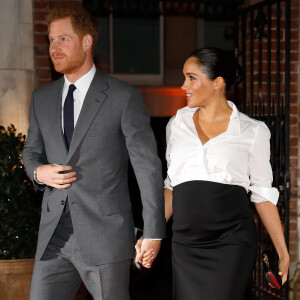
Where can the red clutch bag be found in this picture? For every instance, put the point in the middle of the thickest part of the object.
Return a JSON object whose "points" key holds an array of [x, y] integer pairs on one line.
{"points": [[270, 263]]}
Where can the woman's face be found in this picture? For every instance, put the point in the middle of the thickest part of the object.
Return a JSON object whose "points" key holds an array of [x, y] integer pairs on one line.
{"points": [[199, 89]]}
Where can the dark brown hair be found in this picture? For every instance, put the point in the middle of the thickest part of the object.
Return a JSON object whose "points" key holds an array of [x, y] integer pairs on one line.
{"points": [[82, 21], [215, 62]]}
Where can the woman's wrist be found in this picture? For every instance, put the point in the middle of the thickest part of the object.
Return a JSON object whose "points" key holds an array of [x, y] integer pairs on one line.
{"points": [[283, 253]]}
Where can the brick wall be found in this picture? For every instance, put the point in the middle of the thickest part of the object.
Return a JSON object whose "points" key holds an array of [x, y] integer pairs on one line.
{"points": [[44, 72], [294, 93], [294, 125]]}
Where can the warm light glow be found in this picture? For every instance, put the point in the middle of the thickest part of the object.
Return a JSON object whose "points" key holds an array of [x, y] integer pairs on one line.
{"points": [[163, 101]]}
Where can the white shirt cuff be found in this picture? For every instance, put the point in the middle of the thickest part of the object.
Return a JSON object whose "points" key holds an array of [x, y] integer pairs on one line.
{"points": [[263, 194], [167, 184]]}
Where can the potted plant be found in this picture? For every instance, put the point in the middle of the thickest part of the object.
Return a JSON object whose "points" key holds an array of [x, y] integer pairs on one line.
{"points": [[20, 213]]}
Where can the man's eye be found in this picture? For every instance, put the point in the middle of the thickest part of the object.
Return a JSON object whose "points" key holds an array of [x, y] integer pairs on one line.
{"points": [[192, 78], [64, 39]]}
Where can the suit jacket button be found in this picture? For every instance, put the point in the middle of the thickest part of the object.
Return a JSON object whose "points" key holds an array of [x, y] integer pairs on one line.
{"points": [[62, 202]]}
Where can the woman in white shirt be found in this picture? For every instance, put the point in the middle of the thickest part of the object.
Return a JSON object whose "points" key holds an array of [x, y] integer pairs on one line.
{"points": [[216, 155]]}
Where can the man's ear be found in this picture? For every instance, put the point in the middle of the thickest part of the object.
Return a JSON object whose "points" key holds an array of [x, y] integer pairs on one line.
{"points": [[87, 42], [219, 83]]}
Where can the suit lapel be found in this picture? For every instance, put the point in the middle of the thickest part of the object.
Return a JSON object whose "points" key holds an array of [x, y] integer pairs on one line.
{"points": [[93, 101], [56, 97]]}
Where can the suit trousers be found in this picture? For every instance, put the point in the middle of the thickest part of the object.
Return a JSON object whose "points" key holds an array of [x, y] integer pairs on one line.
{"points": [[61, 270]]}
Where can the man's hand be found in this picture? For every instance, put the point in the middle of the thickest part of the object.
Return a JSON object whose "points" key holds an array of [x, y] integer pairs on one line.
{"points": [[57, 176], [146, 251]]}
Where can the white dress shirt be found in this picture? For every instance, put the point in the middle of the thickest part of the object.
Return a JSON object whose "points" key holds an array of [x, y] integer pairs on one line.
{"points": [[240, 155], [82, 86]]}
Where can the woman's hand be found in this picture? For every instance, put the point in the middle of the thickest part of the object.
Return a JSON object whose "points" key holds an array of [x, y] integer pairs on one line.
{"points": [[283, 266], [269, 215], [147, 257]]}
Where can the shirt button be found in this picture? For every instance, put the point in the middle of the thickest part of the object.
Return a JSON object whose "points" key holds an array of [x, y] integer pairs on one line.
{"points": [[62, 202], [74, 100]]}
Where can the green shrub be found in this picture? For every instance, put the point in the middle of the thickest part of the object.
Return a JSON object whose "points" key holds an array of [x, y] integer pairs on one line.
{"points": [[20, 203]]}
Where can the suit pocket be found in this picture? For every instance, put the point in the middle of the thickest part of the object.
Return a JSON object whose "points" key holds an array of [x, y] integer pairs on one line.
{"points": [[114, 204], [52, 199]]}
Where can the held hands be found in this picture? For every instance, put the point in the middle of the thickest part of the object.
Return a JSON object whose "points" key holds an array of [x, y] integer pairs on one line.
{"points": [[57, 176], [146, 251]]}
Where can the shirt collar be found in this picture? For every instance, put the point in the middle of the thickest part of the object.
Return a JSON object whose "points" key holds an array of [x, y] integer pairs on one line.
{"points": [[234, 122], [235, 112], [234, 125], [84, 82]]}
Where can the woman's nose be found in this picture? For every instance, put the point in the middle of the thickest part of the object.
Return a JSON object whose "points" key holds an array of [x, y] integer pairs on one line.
{"points": [[184, 86]]}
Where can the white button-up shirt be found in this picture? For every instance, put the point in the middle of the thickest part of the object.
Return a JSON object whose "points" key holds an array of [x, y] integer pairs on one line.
{"points": [[82, 86], [240, 155]]}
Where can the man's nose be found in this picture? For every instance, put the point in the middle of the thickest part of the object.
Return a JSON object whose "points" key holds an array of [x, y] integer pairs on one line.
{"points": [[54, 47]]}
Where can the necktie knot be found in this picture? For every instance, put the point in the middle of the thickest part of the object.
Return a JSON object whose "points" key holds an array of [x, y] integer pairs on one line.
{"points": [[72, 88]]}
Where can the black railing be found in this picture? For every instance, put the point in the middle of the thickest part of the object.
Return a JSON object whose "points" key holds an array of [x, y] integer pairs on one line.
{"points": [[263, 49]]}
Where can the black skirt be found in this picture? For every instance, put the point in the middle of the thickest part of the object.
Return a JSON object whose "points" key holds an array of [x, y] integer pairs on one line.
{"points": [[214, 241]]}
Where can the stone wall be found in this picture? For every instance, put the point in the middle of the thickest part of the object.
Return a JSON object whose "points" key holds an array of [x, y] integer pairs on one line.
{"points": [[16, 62]]}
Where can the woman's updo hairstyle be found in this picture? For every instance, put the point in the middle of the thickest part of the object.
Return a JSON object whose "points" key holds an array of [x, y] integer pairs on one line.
{"points": [[215, 62]]}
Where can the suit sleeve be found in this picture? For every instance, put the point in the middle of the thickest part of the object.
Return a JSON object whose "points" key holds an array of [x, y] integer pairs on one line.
{"points": [[141, 146], [34, 150]]}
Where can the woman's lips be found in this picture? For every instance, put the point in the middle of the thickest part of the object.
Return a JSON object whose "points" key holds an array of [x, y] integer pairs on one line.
{"points": [[189, 95]]}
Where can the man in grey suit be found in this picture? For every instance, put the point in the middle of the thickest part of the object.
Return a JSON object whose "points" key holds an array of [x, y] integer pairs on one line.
{"points": [[83, 129]]}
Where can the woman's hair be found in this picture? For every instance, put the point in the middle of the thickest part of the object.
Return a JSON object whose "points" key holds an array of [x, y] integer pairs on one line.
{"points": [[215, 62], [82, 21]]}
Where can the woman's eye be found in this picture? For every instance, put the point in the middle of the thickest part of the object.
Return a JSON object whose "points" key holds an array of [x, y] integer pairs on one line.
{"points": [[192, 78]]}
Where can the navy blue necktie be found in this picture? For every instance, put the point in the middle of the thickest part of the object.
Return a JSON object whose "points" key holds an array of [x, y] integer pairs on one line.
{"points": [[69, 115], [69, 125]]}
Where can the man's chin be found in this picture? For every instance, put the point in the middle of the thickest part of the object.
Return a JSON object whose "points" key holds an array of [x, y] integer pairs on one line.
{"points": [[58, 68]]}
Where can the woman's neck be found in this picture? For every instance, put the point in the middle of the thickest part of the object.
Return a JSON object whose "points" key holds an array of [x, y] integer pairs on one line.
{"points": [[215, 111]]}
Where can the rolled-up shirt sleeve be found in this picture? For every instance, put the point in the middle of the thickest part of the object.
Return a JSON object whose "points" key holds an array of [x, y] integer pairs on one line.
{"points": [[167, 181], [261, 176]]}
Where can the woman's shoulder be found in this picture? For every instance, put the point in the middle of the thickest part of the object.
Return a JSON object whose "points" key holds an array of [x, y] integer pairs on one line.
{"points": [[248, 122], [183, 114]]}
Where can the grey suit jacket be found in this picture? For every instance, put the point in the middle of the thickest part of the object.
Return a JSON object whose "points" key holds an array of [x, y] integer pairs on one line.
{"points": [[113, 127]]}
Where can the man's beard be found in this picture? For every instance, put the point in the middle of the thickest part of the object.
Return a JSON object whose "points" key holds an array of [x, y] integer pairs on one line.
{"points": [[70, 64]]}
